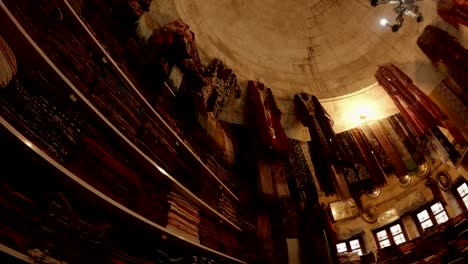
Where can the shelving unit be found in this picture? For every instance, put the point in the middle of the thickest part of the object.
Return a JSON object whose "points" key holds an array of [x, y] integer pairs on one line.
{"points": [[132, 147], [102, 196], [16, 254], [133, 86]]}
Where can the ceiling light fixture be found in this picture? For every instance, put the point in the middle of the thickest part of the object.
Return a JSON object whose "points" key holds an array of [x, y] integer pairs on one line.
{"points": [[383, 22], [403, 7]]}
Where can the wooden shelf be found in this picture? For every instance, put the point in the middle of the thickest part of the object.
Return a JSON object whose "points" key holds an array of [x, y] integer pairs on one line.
{"points": [[101, 195], [15, 254], [133, 86], [176, 185]]}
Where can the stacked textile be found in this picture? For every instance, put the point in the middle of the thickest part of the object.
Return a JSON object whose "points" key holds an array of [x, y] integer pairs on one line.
{"points": [[229, 242], [7, 63], [227, 207], [183, 217], [208, 192], [208, 233], [34, 107]]}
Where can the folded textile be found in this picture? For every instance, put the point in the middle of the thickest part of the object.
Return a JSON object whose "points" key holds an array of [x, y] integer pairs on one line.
{"points": [[8, 67], [183, 217]]}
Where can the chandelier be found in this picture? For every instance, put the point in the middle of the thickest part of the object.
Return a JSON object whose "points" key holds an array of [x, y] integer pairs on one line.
{"points": [[403, 8]]}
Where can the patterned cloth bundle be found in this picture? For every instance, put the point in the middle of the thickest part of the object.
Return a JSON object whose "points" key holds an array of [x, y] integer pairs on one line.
{"points": [[183, 217]]}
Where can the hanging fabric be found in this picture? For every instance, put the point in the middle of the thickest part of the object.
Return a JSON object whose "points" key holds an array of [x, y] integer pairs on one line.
{"points": [[357, 175], [442, 48], [267, 118], [454, 12], [324, 150], [416, 107], [383, 159], [400, 168], [398, 145], [375, 172]]}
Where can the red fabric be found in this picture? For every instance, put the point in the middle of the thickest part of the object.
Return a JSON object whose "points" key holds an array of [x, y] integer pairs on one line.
{"points": [[416, 108], [268, 118], [455, 12]]}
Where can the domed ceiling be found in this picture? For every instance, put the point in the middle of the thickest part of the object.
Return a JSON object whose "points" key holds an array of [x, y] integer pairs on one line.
{"points": [[328, 48], [324, 47]]}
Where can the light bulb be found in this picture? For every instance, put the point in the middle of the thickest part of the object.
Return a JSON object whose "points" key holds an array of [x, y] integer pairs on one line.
{"points": [[383, 22]]}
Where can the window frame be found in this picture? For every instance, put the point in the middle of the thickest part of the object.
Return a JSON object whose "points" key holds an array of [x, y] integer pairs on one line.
{"points": [[455, 185], [390, 236], [432, 215], [348, 244]]}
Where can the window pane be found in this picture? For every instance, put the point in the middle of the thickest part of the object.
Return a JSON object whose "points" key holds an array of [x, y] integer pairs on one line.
{"points": [[358, 251], [441, 218], [384, 243], [463, 189], [399, 239], [396, 229], [354, 244], [465, 200], [426, 224], [423, 216], [382, 235], [437, 208], [341, 247]]}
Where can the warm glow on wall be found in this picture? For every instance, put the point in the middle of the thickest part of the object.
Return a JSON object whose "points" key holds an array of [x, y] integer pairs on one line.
{"points": [[360, 111], [373, 103]]}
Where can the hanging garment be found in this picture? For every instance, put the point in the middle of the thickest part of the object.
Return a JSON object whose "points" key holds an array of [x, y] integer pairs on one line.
{"points": [[267, 118], [324, 150]]}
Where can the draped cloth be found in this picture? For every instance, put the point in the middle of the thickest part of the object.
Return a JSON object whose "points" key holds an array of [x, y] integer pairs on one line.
{"points": [[455, 12], [416, 108], [377, 150], [325, 153], [370, 161], [440, 47], [399, 166], [268, 118]]}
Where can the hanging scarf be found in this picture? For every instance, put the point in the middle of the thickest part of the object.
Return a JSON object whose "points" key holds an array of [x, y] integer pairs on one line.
{"points": [[398, 145], [383, 159], [400, 168], [375, 172]]}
